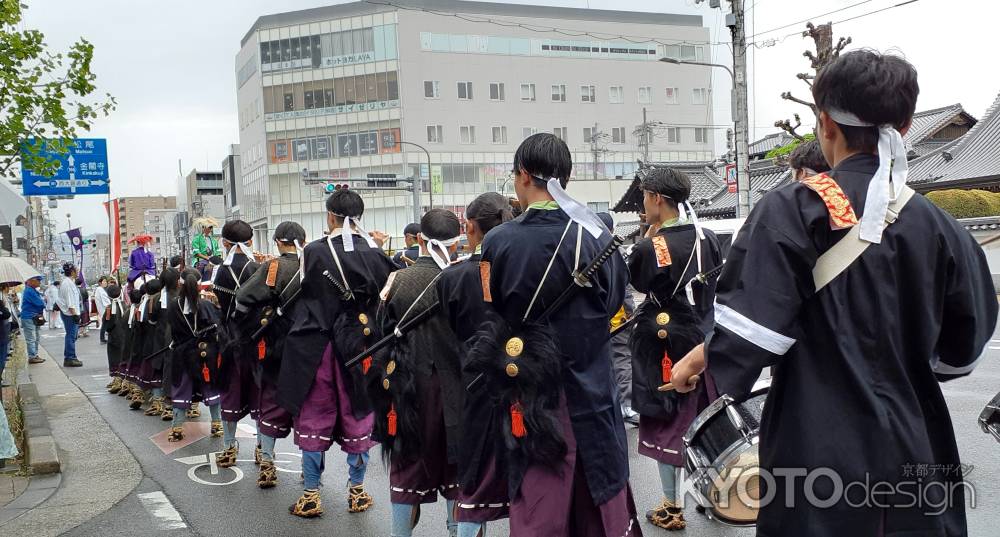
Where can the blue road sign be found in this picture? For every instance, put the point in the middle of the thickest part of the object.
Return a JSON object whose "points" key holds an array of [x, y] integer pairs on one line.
{"points": [[82, 170]]}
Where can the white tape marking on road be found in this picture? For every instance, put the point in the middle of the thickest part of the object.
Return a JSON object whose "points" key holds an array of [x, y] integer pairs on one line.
{"points": [[162, 510]]}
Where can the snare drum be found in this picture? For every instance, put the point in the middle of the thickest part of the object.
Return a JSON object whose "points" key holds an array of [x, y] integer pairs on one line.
{"points": [[720, 457]]}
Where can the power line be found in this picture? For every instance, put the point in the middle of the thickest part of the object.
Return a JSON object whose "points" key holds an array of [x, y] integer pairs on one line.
{"points": [[810, 18], [772, 42], [549, 29]]}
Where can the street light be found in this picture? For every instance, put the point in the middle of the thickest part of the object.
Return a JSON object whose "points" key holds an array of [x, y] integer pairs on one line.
{"points": [[742, 127], [430, 183]]}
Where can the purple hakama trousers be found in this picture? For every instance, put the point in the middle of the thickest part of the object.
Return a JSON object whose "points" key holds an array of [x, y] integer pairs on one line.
{"points": [[663, 439], [326, 416], [239, 394]]}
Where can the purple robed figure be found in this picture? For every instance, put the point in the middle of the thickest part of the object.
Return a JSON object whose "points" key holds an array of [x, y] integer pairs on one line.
{"points": [[141, 261]]}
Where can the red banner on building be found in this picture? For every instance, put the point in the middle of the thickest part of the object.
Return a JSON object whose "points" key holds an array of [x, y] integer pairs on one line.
{"points": [[116, 241]]}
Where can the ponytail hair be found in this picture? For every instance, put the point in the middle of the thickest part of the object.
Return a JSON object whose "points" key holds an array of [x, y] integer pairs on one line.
{"points": [[190, 287], [489, 210]]}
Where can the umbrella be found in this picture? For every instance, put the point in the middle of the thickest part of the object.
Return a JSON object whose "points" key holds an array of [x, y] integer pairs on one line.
{"points": [[14, 271], [141, 238], [12, 204]]}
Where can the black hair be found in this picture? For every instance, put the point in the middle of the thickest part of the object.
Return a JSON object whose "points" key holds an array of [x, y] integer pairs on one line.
{"points": [[170, 276], [809, 155], [135, 295], [544, 155], [190, 290], [114, 291], [177, 262], [489, 210], [440, 224], [56, 283], [289, 232], [237, 231], [669, 182], [345, 202], [412, 229], [152, 286], [68, 268], [880, 89], [102, 279]]}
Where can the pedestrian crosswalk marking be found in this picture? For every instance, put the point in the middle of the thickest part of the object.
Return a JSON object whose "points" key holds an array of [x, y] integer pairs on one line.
{"points": [[159, 506]]}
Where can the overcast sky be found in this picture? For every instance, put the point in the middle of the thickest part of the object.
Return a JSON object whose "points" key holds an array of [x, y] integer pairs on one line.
{"points": [[170, 65]]}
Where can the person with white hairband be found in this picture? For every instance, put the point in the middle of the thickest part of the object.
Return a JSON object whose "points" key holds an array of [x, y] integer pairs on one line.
{"points": [[332, 321], [418, 391], [526, 264], [264, 302], [862, 297], [235, 381]]}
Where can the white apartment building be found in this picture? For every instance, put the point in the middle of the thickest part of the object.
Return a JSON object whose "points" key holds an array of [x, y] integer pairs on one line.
{"points": [[331, 94]]}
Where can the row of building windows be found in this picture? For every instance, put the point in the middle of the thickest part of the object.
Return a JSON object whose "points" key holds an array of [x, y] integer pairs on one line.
{"points": [[348, 47], [558, 93], [350, 144], [618, 135], [374, 87]]}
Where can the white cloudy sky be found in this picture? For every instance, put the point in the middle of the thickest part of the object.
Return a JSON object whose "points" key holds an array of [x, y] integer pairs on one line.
{"points": [[170, 65]]}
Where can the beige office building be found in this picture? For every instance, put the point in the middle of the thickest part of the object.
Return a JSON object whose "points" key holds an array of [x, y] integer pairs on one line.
{"points": [[332, 94], [132, 220]]}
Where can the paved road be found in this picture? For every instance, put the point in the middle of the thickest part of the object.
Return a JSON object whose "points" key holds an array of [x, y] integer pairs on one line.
{"points": [[171, 500]]}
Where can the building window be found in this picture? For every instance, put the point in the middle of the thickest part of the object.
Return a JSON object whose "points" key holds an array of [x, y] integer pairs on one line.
{"points": [[673, 135], [618, 135], [699, 96], [588, 134], [598, 206], [465, 91], [701, 135], [499, 135], [432, 89], [289, 102], [588, 94], [527, 92], [645, 95], [468, 134], [435, 134], [496, 91], [558, 93], [671, 95], [528, 131], [616, 95], [560, 132]]}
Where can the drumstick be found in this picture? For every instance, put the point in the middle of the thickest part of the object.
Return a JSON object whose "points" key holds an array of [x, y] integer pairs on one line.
{"points": [[670, 385]]}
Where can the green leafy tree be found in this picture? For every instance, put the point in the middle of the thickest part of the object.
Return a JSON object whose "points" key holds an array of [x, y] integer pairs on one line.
{"points": [[785, 150], [966, 203], [43, 95]]}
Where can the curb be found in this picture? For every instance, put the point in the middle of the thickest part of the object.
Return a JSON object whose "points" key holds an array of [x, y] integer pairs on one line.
{"points": [[43, 457]]}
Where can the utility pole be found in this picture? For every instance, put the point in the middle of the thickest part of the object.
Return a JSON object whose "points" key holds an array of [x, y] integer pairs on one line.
{"points": [[645, 137], [594, 150], [735, 22]]}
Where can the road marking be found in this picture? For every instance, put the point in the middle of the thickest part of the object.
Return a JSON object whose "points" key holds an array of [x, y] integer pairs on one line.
{"points": [[162, 510]]}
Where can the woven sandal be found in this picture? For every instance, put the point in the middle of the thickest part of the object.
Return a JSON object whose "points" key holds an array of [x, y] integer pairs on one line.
{"points": [[217, 429], [176, 434], [309, 505], [358, 500], [268, 476], [227, 457], [667, 516]]}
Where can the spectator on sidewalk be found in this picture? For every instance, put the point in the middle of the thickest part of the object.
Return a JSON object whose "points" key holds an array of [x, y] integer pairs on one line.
{"points": [[69, 310], [412, 250], [32, 317], [103, 302], [84, 322], [51, 298], [5, 316]]}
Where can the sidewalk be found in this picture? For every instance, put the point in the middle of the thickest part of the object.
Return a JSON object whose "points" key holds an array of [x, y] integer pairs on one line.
{"points": [[97, 469]]}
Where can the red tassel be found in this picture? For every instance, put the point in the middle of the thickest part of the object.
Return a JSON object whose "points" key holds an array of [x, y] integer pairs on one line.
{"points": [[517, 421], [392, 420], [204, 373], [667, 365], [218, 361], [366, 364], [261, 349]]}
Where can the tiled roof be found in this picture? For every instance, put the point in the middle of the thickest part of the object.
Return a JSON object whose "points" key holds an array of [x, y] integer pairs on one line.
{"points": [[705, 184], [926, 123], [769, 142], [763, 178], [975, 155], [985, 223]]}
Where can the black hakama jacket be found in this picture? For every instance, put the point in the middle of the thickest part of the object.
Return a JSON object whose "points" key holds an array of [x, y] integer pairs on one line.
{"points": [[663, 279], [117, 321], [431, 348], [856, 365], [518, 253], [233, 338], [187, 347], [263, 292], [320, 311]]}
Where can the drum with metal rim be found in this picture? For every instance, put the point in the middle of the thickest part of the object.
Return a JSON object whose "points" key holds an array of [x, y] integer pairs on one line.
{"points": [[720, 457]]}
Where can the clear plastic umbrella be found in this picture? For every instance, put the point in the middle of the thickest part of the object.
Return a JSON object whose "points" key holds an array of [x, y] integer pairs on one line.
{"points": [[14, 271]]}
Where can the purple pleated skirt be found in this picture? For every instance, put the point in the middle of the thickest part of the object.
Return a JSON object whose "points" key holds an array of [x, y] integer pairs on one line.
{"points": [[239, 394], [271, 418], [663, 440], [326, 415]]}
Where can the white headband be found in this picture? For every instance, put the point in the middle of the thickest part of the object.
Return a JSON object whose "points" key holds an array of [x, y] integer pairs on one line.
{"points": [[442, 245], [684, 212], [345, 233], [163, 299], [576, 211], [302, 259], [892, 171], [237, 247], [142, 307]]}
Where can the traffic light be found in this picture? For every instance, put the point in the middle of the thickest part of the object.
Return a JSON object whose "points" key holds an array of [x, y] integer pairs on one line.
{"points": [[330, 188]]}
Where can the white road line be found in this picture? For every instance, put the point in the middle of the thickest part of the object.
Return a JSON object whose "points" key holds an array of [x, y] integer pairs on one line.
{"points": [[167, 517]]}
